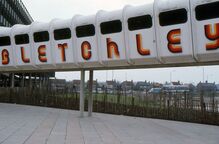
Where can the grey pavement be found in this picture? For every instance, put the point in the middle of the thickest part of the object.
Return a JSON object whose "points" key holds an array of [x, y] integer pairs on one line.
{"points": [[37, 125]]}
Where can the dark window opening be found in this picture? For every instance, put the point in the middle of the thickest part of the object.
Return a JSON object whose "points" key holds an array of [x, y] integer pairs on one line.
{"points": [[111, 27], [207, 11], [22, 39], [41, 36], [140, 22], [61, 34], [85, 31], [173, 17], [5, 41]]}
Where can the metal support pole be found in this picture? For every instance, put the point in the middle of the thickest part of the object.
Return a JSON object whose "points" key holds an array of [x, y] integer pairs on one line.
{"points": [[30, 80], [23, 80], [90, 98], [12, 80], [82, 84], [35, 80], [40, 81]]}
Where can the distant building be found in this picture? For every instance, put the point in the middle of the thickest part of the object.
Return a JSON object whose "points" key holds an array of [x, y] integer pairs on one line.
{"points": [[206, 87], [14, 12], [176, 83], [101, 87], [143, 86], [157, 85], [127, 85], [95, 86], [192, 88], [217, 87], [76, 85], [111, 86], [177, 87], [59, 85]]}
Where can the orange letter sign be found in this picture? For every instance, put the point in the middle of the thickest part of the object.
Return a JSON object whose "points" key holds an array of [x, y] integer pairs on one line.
{"points": [[174, 41], [142, 51], [86, 50], [62, 47], [212, 33], [5, 57], [42, 53], [23, 57], [112, 47]]}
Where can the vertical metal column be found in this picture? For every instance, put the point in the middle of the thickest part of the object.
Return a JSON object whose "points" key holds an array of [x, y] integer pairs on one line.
{"points": [[30, 80], [12, 80], [90, 98], [82, 93], [23, 80], [40, 81]]}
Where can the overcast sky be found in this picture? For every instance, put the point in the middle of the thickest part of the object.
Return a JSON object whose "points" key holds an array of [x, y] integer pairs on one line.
{"points": [[46, 10]]}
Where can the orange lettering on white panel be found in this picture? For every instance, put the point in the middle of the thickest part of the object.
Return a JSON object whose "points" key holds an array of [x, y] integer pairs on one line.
{"points": [[62, 47], [174, 41], [42, 53], [86, 50], [23, 56], [112, 49], [141, 50], [212, 33], [5, 57]]}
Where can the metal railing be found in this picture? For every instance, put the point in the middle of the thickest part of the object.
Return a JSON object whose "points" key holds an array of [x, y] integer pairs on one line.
{"points": [[187, 107]]}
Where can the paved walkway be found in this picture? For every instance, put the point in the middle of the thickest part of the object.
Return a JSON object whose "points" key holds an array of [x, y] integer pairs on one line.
{"points": [[37, 125]]}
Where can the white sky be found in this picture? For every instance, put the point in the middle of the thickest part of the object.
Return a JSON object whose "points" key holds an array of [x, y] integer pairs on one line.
{"points": [[46, 10]]}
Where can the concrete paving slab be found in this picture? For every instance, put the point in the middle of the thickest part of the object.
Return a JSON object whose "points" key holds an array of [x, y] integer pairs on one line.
{"points": [[37, 125]]}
